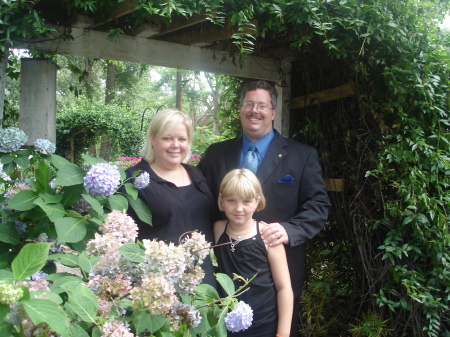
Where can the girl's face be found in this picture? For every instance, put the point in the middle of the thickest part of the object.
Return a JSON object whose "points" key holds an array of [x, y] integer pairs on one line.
{"points": [[239, 211], [170, 147]]}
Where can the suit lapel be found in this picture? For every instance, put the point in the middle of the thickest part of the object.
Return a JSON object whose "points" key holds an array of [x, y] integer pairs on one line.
{"points": [[274, 156], [233, 154]]}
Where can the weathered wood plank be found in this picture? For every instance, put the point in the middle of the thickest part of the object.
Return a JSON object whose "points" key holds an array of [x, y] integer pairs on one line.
{"points": [[89, 43], [323, 96]]}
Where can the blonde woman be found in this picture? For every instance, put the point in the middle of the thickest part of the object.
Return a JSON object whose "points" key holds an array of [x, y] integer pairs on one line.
{"points": [[178, 196]]}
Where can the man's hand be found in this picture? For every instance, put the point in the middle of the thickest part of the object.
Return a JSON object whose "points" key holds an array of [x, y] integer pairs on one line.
{"points": [[274, 234]]}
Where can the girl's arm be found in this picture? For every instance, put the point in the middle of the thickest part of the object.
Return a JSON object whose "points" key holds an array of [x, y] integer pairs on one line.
{"points": [[219, 227], [285, 296]]}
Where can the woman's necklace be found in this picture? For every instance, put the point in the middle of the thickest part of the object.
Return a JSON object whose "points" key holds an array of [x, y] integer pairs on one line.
{"points": [[178, 179], [240, 237]]}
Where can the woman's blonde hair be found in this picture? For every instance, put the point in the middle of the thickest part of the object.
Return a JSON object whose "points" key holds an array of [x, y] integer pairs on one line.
{"points": [[166, 120], [241, 183]]}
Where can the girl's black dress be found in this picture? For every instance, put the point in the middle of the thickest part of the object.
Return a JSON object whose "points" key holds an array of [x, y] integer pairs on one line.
{"points": [[249, 256]]}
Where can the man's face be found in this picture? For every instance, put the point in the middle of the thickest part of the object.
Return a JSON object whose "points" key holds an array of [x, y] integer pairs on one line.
{"points": [[257, 120]]}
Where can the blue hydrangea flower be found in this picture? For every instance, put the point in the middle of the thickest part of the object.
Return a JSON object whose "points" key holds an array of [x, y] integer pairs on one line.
{"points": [[102, 179], [44, 145], [240, 318], [142, 181], [12, 139]]}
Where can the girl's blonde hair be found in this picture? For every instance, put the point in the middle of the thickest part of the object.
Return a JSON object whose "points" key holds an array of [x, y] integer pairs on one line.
{"points": [[241, 183], [166, 120]]}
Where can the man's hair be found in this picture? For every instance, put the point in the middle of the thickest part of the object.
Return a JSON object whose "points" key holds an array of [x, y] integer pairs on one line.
{"points": [[241, 183], [261, 85]]}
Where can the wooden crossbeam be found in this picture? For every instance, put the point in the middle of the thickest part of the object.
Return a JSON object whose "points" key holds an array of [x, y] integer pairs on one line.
{"points": [[323, 96]]}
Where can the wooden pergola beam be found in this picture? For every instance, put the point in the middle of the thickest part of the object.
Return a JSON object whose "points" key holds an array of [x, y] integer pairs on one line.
{"points": [[323, 96]]}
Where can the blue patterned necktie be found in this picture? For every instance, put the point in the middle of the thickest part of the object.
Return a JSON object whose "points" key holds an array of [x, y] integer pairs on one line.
{"points": [[251, 160]]}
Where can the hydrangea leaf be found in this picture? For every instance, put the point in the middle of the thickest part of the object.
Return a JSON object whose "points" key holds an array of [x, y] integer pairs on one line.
{"points": [[84, 303], [77, 331], [118, 202], [31, 258], [131, 190], [71, 194], [6, 329], [70, 229], [60, 280], [144, 321], [96, 206], [86, 262], [23, 161], [69, 175], [226, 282], [205, 290], [141, 209], [67, 259], [53, 211], [41, 310], [132, 252], [8, 234], [42, 174], [58, 161], [23, 201], [4, 310], [6, 158]]}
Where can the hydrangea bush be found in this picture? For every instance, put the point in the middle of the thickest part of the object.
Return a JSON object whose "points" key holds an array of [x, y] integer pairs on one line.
{"points": [[59, 212]]}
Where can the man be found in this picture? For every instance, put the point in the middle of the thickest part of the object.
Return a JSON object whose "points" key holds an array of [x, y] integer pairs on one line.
{"points": [[289, 172]]}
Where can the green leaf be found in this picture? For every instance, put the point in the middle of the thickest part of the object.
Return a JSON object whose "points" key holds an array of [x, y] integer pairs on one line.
{"points": [[226, 282], [6, 329], [31, 258], [141, 209], [60, 279], [58, 161], [53, 211], [70, 229], [22, 160], [42, 174], [77, 331], [71, 194], [6, 276], [23, 201], [144, 321], [68, 260], [131, 190], [40, 310], [96, 206], [118, 202], [50, 199], [4, 310], [206, 290], [70, 175], [8, 234], [93, 160], [86, 262], [6, 158], [132, 252], [84, 303]]}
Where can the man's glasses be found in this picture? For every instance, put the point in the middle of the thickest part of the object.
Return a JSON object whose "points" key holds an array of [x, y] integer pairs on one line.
{"points": [[260, 106]]}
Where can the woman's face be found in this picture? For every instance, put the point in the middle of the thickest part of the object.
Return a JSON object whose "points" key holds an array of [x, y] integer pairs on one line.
{"points": [[170, 147]]}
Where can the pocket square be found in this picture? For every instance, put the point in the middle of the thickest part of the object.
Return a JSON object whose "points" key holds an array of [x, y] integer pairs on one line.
{"points": [[286, 179]]}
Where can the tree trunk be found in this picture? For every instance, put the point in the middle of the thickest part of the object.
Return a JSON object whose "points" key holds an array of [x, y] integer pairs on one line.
{"points": [[179, 91]]}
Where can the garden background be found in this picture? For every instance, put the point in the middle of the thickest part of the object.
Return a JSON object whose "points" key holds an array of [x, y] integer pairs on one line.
{"points": [[381, 266]]}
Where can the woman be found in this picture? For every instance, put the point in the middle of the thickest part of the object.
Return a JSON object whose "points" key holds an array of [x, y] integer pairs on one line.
{"points": [[178, 196]]}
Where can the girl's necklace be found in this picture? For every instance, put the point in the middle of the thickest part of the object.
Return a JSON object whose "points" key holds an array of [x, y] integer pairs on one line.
{"points": [[240, 237]]}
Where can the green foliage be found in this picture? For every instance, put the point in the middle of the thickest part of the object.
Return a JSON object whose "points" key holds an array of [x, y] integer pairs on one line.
{"points": [[80, 127], [49, 208], [370, 325]]}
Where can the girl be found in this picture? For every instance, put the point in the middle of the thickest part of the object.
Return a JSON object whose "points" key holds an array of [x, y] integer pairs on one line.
{"points": [[270, 293]]}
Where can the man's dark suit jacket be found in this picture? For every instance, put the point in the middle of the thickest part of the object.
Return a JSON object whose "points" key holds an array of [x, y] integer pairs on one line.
{"points": [[299, 204]]}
